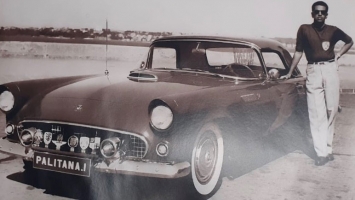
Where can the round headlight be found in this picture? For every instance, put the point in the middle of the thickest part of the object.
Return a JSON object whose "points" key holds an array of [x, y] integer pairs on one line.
{"points": [[161, 117], [10, 129], [110, 147], [7, 101], [26, 136]]}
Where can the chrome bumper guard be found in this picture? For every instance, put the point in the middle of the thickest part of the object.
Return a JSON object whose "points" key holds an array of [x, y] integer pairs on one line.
{"points": [[138, 168], [147, 169], [16, 149]]}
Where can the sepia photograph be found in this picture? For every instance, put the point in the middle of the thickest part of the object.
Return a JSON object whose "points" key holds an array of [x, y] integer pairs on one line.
{"points": [[174, 100]]}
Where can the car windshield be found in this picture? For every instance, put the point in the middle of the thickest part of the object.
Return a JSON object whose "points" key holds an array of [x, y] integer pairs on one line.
{"points": [[202, 56]]}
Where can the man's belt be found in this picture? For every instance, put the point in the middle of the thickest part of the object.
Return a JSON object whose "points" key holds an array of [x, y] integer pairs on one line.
{"points": [[321, 62]]}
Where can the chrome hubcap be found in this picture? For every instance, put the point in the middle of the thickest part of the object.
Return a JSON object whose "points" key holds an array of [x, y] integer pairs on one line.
{"points": [[206, 157]]}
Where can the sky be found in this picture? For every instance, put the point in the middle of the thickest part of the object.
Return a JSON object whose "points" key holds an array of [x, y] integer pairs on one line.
{"points": [[256, 18]]}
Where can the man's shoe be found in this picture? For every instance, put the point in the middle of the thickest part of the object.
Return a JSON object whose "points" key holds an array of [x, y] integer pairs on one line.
{"points": [[321, 161], [330, 157]]}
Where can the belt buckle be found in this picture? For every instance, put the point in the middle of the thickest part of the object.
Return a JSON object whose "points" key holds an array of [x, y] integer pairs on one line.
{"points": [[323, 62]]}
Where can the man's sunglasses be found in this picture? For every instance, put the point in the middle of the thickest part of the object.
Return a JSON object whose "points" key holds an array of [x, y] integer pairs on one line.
{"points": [[322, 12]]}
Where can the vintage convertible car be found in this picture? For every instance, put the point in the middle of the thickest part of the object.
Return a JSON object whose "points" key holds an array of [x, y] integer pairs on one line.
{"points": [[185, 112]]}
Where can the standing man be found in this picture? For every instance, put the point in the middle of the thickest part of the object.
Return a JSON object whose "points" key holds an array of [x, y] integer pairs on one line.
{"points": [[317, 41]]}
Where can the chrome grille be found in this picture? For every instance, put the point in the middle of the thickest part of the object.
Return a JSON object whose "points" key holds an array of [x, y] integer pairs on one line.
{"points": [[136, 148]]}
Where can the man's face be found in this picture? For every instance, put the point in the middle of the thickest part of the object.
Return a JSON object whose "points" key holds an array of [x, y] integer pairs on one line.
{"points": [[319, 14]]}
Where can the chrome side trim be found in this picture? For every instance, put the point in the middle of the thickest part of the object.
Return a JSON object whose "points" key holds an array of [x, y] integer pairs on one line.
{"points": [[90, 126], [142, 79]]}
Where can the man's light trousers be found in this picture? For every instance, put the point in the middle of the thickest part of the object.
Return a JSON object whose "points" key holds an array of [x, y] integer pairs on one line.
{"points": [[323, 101]]}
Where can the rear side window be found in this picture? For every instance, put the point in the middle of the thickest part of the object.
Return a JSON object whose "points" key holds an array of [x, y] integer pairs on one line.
{"points": [[273, 60], [164, 57]]}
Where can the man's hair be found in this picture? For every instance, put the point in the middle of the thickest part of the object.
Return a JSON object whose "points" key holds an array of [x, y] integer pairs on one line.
{"points": [[320, 3]]}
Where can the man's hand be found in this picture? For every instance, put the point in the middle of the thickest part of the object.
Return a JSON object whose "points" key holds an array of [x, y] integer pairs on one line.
{"points": [[337, 56], [295, 60], [287, 76]]}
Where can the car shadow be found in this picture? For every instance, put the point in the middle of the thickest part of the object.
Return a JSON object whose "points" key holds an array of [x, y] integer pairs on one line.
{"points": [[9, 158], [265, 149], [53, 184], [104, 186]]}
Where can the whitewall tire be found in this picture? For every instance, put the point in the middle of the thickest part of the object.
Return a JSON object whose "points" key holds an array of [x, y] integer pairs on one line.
{"points": [[207, 159]]}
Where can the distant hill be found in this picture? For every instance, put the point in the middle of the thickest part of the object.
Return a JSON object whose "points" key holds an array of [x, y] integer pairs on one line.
{"points": [[93, 36], [83, 33]]}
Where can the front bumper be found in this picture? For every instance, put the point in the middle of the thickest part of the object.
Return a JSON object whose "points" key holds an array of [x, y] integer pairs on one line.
{"points": [[131, 167], [146, 168], [16, 149]]}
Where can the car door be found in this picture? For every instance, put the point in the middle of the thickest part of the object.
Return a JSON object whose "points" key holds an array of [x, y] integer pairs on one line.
{"points": [[260, 102], [289, 98], [289, 95], [301, 109]]}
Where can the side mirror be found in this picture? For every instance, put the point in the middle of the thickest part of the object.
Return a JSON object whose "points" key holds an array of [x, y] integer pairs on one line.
{"points": [[142, 65], [274, 74]]}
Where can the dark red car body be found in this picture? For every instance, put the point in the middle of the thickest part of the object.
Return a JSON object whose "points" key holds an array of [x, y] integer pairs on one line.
{"points": [[208, 106]]}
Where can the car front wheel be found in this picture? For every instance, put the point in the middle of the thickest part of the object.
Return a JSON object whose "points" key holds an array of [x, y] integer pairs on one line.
{"points": [[207, 160]]}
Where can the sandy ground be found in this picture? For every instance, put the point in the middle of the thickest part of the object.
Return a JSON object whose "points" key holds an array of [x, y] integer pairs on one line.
{"points": [[17, 69]]}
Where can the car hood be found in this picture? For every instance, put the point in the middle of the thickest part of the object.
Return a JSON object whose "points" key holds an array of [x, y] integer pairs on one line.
{"points": [[118, 104]]}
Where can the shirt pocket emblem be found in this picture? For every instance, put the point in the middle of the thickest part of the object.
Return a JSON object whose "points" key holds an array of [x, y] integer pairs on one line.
{"points": [[325, 45]]}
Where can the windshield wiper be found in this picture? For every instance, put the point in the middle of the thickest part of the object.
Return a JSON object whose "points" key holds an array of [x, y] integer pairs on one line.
{"points": [[210, 73]]}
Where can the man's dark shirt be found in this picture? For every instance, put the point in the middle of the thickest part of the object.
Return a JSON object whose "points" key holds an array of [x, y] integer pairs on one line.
{"points": [[318, 44]]}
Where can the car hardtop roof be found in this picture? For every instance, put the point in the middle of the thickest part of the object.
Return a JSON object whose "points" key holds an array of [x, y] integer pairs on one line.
{"points": [[262, 43]]}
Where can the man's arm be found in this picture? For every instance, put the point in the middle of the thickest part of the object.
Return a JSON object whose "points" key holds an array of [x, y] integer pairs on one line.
{"points": [[344, 49], [295, 60]]}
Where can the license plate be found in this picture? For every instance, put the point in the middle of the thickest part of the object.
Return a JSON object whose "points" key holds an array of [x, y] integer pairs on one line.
{"points": [[63, 164]]}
